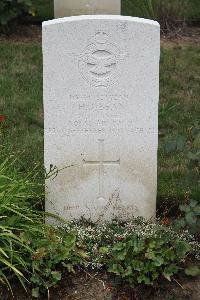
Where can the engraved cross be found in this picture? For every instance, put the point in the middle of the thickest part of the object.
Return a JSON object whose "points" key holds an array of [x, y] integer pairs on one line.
{"points": [[101, 163]]}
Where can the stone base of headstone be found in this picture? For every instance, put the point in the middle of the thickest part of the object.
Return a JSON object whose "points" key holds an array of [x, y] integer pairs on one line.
{"points": [[66, 8]]}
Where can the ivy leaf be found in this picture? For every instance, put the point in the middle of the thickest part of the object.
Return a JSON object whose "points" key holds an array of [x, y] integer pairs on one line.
{"points": [[192, 271], [138, 245], [180, 223], [119, 246], [150, 254], [120, 255], [82, 253], [184, 208], [69, 267], [56, 275], [158, 261], [128, 272], [197, 210], [35, 292], [103, 250], [182, 248], [169, 254], [193, 203], [35, 278], [191, 218], [143, 278], [138, 265], [169, 271], [70, 240], [116, 268]]}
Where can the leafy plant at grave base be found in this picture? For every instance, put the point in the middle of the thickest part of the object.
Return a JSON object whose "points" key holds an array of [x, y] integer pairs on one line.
{"points": [[15, 213], [192, 270], [30, 250], [12, 9], [137, 251], [51, 248], [169, 14], [191, 150], [191, 217], [11, 261], [139, 260]]}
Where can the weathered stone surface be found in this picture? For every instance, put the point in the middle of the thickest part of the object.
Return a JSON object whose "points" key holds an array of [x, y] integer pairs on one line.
{"points": [[101, 90], [67, 8]]}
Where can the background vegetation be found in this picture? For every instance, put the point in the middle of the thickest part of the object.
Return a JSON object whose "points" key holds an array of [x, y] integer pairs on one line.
{"points": [[188, 9], [21, 103], [44, 8], [170, 13]]}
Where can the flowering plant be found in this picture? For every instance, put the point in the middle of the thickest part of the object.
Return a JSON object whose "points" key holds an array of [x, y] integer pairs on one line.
{"points": [[137, 251]]}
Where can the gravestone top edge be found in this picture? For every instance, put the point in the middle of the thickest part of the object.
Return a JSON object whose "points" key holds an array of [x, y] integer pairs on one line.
{"points": [[100, 17]]}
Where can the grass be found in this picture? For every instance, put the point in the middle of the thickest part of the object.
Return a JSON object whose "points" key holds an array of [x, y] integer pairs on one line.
{"points": [[21, 99], [21, 103], [179, 110]]}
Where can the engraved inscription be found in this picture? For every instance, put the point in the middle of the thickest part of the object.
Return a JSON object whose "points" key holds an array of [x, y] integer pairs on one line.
{"points": [[105, 103], [71, 207], [98, 64], [101, 163], [114, 127]]}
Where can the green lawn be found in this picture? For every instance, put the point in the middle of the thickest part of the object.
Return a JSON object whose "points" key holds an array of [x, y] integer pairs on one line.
{"points": [[179, 112], [21, 99], [21, 102]]}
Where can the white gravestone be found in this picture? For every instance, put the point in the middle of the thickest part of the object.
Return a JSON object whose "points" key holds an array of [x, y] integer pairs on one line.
{"points": [[65, 8], [101, 91]]}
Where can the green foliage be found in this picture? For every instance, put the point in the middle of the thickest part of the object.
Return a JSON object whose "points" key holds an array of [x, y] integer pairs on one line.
{"points": [[30, 250], [193, 154], [44, 9], [191, 151], [179, 96], [12, 9], [36, 253], [191, 216], [11, 261], [192, 271], [142, 260], [21, 103], [137, 251], [51, 247], [17, 196], [193, 12], [169, 13]]}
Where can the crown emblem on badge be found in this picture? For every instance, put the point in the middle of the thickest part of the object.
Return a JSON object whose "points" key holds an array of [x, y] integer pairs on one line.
{"points": [[101, 37]]}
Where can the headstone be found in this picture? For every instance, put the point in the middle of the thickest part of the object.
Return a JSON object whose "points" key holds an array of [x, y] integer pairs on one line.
{"points": [[101, 91], [65, 8]]}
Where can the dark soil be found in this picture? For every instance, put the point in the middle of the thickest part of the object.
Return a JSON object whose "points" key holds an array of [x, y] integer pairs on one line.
{"points": [[186, 35], [32, 33], [23, 33], [93, 286]]}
